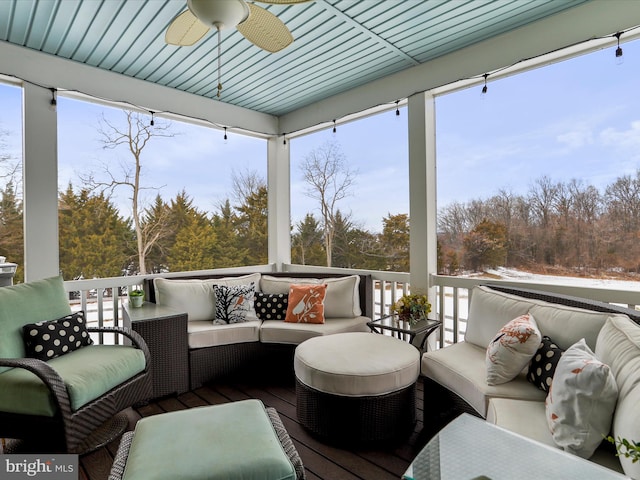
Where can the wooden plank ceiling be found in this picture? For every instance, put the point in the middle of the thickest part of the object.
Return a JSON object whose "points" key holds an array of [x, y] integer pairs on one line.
{"points": [[339, 44]]}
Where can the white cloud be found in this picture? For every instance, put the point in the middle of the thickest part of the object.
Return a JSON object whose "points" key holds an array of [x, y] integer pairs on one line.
{"points": [[580, 137], [625, 139]]}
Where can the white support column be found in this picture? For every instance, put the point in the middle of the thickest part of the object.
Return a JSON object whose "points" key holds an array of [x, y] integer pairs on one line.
{"points": [[279, 202], [40, 184], [422, 192]]}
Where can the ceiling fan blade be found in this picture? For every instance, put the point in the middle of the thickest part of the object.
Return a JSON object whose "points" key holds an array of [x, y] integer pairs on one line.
{"points": [[185, 30], [265, 30], [283, 2]]}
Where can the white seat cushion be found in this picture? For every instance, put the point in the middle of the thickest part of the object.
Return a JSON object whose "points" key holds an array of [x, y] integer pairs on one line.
{"points": [[461, 369], [357, 364], [527, 418], [204, 333], [277, 331]]}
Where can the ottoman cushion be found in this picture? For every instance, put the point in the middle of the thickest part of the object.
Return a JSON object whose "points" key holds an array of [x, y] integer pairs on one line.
{"points": [[229, 441], [357, 364]]}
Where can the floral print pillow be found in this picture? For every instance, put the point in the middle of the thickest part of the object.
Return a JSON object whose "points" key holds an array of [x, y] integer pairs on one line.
{"points": [[511, 349], [306, 304]]}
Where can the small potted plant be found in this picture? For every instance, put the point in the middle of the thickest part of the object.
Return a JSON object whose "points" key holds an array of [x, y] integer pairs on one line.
{"points": [[412, 307], [136, 298]]}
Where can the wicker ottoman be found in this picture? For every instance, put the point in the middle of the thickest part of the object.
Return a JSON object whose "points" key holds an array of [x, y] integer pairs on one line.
{"points": [[357, 388], [236, 440]]}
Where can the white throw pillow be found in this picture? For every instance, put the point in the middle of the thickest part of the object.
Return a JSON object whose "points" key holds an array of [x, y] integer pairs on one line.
{"points": [[342, 299], [194, 297], [581, 401], [512, 349]]}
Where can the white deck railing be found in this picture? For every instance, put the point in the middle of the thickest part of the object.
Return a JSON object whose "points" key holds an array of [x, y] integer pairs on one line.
{"points": [[450, 305]]}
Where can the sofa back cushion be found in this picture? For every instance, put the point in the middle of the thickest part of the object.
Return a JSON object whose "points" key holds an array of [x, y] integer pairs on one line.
{"points": [[30, 302], [342, 299], [567, 325], [196, 297], [618, 346], [490, 310]]}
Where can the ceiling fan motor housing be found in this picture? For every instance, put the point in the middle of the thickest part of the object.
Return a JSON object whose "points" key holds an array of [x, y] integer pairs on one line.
{"points": [[220, 14]]}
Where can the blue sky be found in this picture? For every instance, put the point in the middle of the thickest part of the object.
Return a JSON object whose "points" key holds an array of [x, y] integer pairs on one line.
{"points": [[576, 119]]}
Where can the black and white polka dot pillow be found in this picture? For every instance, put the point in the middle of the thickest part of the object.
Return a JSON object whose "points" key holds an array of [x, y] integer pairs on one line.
{"points": [[543, 364], [47, 340], [271, 306]]}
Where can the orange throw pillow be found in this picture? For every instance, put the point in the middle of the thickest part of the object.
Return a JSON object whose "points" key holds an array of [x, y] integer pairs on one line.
{"points": [[306, 304]]}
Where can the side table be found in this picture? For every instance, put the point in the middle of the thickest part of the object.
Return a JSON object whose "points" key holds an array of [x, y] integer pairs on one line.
{"points": [[416, 332], [165, 331]]}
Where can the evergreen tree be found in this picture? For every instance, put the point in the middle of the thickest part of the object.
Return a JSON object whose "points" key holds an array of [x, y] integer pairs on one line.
{"points": [[94, 240], [251, 225], [227, 252], [156, 221], [12, 230], [395, 241], [486, 245], [195, 244], [307, 246]]}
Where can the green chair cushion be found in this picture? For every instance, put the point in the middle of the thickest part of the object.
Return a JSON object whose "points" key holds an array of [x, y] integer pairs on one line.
{"points": [[28, 303], [88, 373], [233, 441]]}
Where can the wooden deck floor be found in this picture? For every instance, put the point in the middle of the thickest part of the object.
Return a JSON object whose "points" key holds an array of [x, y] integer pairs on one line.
{"points": [[321, 461]]}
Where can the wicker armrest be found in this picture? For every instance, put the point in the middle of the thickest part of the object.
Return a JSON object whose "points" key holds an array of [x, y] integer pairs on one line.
{"points": [[135, 338], [48, 375]]}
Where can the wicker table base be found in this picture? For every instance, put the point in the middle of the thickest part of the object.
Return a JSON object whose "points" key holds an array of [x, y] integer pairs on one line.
{"points": [[344, 420]]}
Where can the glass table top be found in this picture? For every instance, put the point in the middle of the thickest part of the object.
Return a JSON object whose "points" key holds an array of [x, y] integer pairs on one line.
{"points": [[469, 448]]}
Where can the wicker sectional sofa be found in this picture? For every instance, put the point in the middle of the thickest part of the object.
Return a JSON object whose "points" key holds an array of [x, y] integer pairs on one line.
{"points": [[455, 377], [259, 347]]}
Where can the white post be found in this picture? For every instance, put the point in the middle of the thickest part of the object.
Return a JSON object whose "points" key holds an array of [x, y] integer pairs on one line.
{"points": [[40, 183], [422, 192], [279, 201]]}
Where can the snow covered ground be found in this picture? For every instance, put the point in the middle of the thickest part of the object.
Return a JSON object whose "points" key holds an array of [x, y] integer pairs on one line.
{"points": [[513, 274]]}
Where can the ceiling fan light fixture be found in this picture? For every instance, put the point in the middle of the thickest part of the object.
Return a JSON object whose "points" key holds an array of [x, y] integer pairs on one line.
{"points": [[220, 14]]}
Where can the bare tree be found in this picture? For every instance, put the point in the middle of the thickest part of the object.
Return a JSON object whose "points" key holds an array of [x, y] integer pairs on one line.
{"points": [[135, 135], [330, 179], [543, 195], [10, 166]]}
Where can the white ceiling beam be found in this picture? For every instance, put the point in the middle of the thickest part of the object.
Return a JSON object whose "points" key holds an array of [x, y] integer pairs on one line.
{"points": [[591, 20], [53, 72], [365, 31]]}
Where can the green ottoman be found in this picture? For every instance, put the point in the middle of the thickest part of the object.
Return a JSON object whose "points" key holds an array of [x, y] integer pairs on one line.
{"points": [[239, 440]]}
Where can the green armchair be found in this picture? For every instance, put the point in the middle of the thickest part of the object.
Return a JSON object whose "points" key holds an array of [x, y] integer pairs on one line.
{"points": [[57, 388]]}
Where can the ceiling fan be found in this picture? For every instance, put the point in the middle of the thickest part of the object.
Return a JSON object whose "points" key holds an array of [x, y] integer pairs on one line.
{"points": [[259, 26]]}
